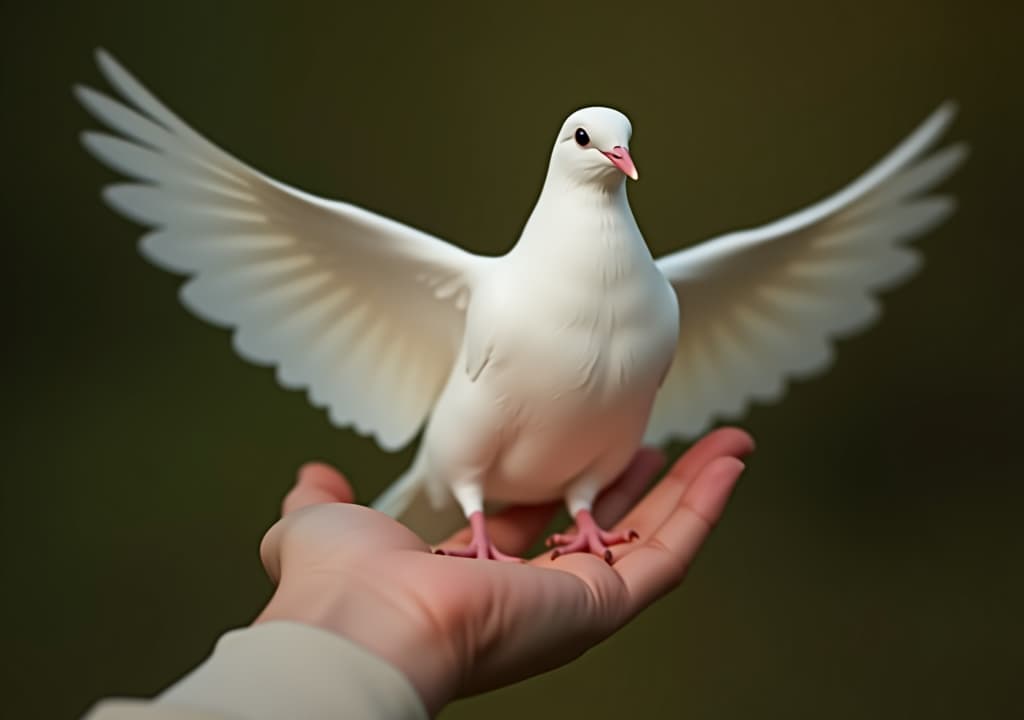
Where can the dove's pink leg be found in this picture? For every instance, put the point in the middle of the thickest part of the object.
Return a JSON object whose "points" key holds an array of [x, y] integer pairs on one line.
{"points": [[480, 546], [589, 537]]}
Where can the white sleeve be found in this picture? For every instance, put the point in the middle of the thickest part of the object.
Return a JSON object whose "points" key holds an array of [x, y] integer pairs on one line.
{"points": [[279, 670]]}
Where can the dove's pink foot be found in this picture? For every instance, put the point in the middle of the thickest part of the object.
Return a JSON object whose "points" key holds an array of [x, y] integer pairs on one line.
{"points": [[589, 538], [480, 546]]}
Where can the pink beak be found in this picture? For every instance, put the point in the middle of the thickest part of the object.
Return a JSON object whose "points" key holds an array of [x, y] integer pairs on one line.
{"points": [[620, 158]]}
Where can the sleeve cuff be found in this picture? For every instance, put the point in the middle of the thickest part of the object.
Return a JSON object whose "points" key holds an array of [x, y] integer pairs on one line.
{"points": [[286, 670]]}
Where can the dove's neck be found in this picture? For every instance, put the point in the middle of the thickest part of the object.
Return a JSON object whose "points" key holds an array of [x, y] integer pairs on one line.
{"points": [[586, 227]]}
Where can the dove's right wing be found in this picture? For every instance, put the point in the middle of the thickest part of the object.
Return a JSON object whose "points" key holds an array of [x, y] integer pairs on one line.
{"points": [[762, 306], [365, 312]]}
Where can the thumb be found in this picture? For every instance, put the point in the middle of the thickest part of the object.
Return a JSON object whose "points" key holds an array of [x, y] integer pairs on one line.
{"points": [[317, 483]]}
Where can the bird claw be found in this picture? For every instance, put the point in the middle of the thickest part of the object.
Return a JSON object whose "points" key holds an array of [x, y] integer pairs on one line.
{"points": [[589, 538], [481, 551], [480, 546]]}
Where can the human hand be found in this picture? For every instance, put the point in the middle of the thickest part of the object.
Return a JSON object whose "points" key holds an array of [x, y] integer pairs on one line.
{"points": [[456, 626]]}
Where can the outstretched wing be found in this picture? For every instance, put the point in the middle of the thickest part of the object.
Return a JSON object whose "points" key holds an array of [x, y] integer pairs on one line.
{"points": [[761, 306], [363, 311]]}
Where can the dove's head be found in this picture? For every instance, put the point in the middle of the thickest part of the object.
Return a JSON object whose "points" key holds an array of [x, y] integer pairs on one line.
{"points": [[593, 146]]}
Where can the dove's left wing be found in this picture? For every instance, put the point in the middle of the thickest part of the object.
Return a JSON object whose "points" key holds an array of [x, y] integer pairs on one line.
{"points": [[363, 311], [761, 306]]}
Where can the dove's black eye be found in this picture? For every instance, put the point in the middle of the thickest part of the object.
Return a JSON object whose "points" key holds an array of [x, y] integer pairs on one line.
{"points": [[582, 139]]}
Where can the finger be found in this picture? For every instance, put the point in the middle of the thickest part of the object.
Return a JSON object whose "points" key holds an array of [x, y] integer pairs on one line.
{"points": [[317, 483], [270, 551], [513, 530], [652, 511], [654, 567], [620, 496]]}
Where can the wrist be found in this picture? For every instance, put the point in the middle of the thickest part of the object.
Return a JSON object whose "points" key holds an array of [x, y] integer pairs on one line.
{"points": [[414, 647]]}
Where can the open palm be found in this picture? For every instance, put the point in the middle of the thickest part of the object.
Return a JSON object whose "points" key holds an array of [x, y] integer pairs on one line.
{"points": [[458, 626]]}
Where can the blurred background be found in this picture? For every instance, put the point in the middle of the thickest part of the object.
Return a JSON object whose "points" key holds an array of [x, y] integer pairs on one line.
{"points": [[870, 564]]}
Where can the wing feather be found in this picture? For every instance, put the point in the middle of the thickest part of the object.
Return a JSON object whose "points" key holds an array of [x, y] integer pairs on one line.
{"points": [[761, 307], [365, 313]]}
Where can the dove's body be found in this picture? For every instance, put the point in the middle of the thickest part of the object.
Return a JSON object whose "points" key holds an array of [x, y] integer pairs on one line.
{"points": [[567, 338], [538, 373]]}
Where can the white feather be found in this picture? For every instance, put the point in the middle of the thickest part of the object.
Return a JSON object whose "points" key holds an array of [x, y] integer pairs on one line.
{"points": [[342, 301], [762, 306]]}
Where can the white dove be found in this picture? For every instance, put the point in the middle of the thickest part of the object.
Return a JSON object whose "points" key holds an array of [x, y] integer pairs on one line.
{"points": [[537, 374]]}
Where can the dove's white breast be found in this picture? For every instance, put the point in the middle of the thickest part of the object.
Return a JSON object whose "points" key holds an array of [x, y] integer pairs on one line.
{"points": [[566, 343]]}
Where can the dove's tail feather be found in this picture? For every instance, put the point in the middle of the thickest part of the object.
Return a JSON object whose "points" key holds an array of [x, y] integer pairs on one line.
{"points": [[401, 493], [408, 499]]}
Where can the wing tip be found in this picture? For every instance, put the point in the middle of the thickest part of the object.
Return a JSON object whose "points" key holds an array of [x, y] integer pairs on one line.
{"points": [[106, 62], [122, 197], [960, 152], [187, 297], [948, 205], [938, 122], [89, 139], [113, 194], [948, 109], [90, 99], [940, 208], [81, 91], [92, 142]]}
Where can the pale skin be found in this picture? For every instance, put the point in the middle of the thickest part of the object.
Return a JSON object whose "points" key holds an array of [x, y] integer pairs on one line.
{"points": [[457, 626]]}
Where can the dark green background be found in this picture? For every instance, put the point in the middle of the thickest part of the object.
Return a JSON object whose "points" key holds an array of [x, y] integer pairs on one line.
{"points": [[870, 565]]}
